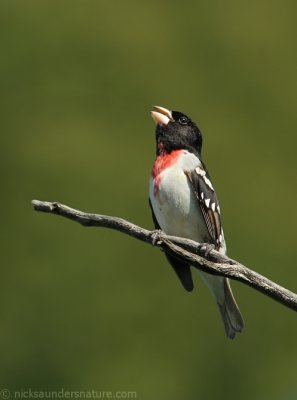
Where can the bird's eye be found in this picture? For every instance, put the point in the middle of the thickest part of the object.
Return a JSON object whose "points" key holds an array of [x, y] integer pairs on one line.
{"points": [[183, 120]]}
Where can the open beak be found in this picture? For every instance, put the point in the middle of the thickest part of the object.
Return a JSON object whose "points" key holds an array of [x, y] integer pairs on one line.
{"points": [[161, 115]]}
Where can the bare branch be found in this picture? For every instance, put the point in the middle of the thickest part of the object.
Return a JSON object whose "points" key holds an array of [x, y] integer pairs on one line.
{"points": [[201, 256]]}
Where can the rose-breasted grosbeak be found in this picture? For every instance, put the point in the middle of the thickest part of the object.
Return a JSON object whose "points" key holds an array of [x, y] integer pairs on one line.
{"points": [[184, 203]]}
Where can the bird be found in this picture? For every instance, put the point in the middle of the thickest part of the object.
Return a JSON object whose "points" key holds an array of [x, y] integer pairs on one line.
{"points": [[184, 203]]}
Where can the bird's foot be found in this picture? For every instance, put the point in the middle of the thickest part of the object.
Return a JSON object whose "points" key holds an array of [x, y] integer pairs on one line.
{"points": [[156, 237], [206, 248]]}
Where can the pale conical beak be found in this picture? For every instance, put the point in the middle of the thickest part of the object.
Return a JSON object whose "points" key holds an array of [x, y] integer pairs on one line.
{"points": [[161, 115]]}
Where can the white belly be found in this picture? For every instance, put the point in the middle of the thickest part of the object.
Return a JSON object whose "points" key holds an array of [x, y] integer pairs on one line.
{"points": [[175, 206]]}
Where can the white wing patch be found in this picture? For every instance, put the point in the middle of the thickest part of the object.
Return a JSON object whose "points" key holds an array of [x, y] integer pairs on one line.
{"points": [[202, 173]]}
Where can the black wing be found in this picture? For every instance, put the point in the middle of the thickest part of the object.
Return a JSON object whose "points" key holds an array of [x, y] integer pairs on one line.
{"points": [[181, 268], [208, 202]]}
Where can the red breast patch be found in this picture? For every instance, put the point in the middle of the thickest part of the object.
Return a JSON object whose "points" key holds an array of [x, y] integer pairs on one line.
{"points": [[162, 162]]}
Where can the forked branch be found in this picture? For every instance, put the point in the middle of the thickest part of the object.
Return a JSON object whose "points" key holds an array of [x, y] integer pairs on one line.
{"points": [[201, 256]]}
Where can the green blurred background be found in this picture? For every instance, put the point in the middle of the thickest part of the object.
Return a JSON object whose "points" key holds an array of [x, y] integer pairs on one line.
{"points": [[90, 309]]}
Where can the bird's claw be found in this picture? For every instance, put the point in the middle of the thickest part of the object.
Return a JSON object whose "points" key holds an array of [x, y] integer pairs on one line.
{"points": [[206, 248], [156, 236]]}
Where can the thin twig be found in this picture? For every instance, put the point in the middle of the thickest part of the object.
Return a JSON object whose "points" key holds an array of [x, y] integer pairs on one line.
{"points": [[199, 255]]}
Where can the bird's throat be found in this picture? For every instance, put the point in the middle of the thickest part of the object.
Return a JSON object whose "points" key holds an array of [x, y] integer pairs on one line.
{"points": [[162, 162]]}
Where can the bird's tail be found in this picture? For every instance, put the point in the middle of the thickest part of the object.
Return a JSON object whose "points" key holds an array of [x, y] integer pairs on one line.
{"points": [[232, 319], [221, 290]]}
